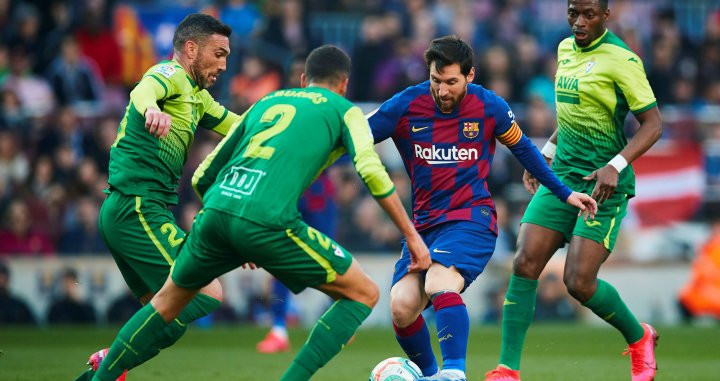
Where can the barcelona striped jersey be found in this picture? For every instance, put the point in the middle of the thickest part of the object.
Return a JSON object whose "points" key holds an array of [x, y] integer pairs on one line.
{"points": [[448, 156]]}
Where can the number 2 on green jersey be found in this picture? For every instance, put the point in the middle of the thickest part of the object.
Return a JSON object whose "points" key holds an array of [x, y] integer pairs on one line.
{"points": [[254, 148]]}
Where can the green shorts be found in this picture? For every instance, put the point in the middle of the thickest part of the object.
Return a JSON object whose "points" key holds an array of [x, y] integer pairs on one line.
{"points": [[299, 256], [548, 211], [143, 238]]}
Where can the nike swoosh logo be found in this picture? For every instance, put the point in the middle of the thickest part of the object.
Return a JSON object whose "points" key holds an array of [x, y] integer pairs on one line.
{"points": [[436, 250], [593, 223], [609, 316], [508, 303], [418, 129]]}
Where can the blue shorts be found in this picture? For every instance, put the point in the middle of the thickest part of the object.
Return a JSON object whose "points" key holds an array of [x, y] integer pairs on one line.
{"points": [[465, 244]]}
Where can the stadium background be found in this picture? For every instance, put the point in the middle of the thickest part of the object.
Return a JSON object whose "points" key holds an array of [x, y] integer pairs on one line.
{"points": [[66, 68]]}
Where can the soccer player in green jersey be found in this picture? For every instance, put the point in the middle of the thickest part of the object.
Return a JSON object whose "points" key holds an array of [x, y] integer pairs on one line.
{"points": [[250, 185], [599, 79], [166, 107]]}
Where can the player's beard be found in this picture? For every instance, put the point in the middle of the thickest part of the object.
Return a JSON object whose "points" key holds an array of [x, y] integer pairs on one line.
{"points": [[451, 105], [203, 82]]}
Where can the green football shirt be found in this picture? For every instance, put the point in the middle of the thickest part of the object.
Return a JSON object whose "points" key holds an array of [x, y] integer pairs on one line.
{"points": [[261, 168], [595, 88], [143, 165]]}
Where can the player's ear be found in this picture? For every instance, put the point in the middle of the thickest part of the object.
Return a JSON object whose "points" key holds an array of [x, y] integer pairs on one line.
{"points": [[471, 75], [343, 86], [191, 49], [303, 80]]}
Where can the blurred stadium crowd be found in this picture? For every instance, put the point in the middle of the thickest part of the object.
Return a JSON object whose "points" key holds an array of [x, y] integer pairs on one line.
{"points": [[66, 68]]}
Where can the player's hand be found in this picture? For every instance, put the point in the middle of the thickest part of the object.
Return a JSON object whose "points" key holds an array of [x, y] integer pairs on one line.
{"points": [[249, 265], [585, 203], [157, 122], [419, 254], [530, 182], [607, 179]]}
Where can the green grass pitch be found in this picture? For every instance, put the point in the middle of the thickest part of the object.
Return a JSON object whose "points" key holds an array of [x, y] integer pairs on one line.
{"points": [[553, 352]]}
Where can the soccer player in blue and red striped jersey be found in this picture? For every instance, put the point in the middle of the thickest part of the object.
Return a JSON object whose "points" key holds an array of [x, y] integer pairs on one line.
{"points": [[445, 130]]}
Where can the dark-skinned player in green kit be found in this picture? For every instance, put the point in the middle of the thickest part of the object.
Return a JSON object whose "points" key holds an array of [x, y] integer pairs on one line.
{"points": [[598, 81], [250, 185], [166, 107]]}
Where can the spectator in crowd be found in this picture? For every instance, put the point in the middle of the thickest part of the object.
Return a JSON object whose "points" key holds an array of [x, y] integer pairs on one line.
{"points": [[244, 19], [13, 310], [553, 303], [81, 234], [26, 34], [286, 26], [12, 115], [4, 60], [123, 308], [368, 54], [73, 78], [97, 41], [255, 80], [14, 166], [701, 294], [19, 237], [33, 91], [69, 306]]}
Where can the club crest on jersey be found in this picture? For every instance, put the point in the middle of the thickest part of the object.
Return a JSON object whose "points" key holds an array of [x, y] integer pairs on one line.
{"points": [[589, 66], [471, 130]]}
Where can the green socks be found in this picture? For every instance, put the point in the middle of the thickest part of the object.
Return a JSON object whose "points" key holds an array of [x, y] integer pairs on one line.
{"points": [[201, 305], [327, 338], [518, 313], [607, 304], [519, 309], [136, 338], [146, 333]]}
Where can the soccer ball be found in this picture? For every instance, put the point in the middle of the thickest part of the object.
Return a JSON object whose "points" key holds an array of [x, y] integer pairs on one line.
{"points": [[395, 369]]}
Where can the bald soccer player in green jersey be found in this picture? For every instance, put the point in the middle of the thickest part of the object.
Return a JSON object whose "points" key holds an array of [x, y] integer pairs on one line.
{"points": [[598, 81], [166, 107], [250, 185]]}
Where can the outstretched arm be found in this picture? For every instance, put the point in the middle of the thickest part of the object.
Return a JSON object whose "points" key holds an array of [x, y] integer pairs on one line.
{"points": [[548, 153]]}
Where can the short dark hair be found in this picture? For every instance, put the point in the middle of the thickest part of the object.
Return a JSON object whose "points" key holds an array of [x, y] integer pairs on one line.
{"points": [[198, 26], [603, 4], [327, 64], [450, 50]]}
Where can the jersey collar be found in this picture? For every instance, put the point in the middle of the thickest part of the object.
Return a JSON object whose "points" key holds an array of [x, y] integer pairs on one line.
{"points": [[593, 45], [187, 75]]}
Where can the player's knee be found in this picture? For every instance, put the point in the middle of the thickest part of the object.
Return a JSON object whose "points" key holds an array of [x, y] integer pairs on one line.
{"points": [[526, 266], [578, 288], [371, 294], [402, 311]]}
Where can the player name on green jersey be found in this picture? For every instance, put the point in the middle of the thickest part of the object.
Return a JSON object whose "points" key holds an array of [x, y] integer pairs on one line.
{"points": [[595, 87], [259, 171], [143, 165]]}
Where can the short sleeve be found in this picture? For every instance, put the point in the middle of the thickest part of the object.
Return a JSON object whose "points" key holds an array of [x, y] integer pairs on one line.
{"points": [[630, 77]]}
